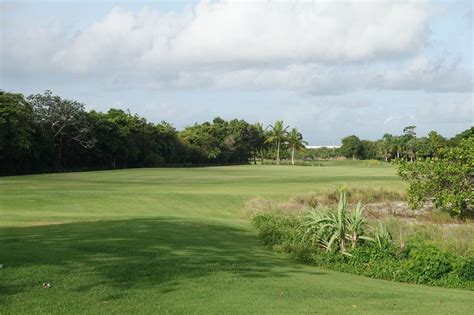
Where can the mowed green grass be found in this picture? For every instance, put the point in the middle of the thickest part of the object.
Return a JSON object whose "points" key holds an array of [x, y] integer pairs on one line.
{"points": [[172, 241]]}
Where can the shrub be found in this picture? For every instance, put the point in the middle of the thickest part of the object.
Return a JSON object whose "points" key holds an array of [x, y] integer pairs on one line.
{"points": [[417, 261], [466, 269], [336, 230], [448, 179], [427, 263], [278, 230]]}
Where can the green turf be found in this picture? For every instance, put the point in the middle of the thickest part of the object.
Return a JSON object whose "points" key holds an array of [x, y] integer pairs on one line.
{"points": [[172, 240]]}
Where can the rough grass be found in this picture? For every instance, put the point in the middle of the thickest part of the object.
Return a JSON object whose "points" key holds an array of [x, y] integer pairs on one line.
{"points": [[426, 225], [172, 241], [457, 238], [328, 198]]}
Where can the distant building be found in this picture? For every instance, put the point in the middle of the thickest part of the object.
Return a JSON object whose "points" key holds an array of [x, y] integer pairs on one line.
{"points": [[322, 146]]}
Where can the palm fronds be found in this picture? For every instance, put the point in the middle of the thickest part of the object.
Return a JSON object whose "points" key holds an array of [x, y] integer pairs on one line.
{"points": [[333, 231]]}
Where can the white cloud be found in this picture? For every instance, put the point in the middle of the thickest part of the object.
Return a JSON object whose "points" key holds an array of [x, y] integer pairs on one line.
{"points": [[233, 33], [417, 73], [318, 47]]}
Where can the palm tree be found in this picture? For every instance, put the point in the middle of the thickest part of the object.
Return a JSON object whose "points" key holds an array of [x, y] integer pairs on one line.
{"points": [[277, 135], [386, 145], [295, 139]]}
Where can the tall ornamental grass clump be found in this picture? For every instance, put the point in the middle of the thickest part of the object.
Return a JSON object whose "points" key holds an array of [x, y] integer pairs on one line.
{"points": [[339, 230]]}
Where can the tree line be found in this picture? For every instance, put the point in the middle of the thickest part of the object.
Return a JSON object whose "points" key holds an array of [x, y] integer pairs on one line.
{"points": [[406, 146], [46, 133]]}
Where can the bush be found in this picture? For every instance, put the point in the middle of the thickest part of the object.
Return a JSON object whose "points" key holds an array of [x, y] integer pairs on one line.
{"points": [[447, 179], [426, 263], [277, 230], [338, 230], [416, 262], [466, 269]]}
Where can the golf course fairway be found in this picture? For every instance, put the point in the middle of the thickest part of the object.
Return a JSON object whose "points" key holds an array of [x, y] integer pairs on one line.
{"points": [[172, 240]]}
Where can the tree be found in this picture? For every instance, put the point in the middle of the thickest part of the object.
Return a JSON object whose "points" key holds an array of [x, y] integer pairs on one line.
{"points": [[411, 148], [369, 150], [436, 142], [260, 140], [351, 147], [112, 132], [220, 141], [386, 146], [397, 143], [201, 140], [463, 135], [16, 131], [448, 179], [277, 135], [240, 132], [408, 142], [295, 140], [409, 131], [62, 121]]}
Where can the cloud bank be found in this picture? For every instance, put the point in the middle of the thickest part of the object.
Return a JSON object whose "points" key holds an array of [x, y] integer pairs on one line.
{"points": [[316, 47], [238, 32]]}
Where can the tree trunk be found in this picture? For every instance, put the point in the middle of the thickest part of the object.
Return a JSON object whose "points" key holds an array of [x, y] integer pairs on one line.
{"points": [[278, 152], [263, 156], [293, 155], [60, 152], [254, 157]]}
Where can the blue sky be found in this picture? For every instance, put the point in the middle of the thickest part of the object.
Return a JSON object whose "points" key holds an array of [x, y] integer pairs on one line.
{"points": [[329, 68]]}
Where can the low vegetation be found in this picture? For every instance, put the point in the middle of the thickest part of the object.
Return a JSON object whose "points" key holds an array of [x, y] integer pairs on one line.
{"points": [[386, 245]]}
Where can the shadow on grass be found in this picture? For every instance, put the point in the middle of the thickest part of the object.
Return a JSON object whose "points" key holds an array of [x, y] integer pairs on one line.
{"points": [[138, 253]]}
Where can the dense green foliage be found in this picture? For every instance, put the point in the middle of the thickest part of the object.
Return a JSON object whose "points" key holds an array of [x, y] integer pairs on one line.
{"points": [[416, 262], [406, 146], [447, 178], [15, 130], [45, 133], [351, 147]]}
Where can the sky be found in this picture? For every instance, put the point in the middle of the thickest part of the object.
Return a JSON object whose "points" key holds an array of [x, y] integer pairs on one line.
{"points": [[329, 68]]}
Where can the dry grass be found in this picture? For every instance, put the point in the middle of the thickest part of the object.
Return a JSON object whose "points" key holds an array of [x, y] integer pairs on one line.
{"points": [[327, 199], [404, 224], [378, 203], [452, 237], [256, 206], [364, 195]]}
